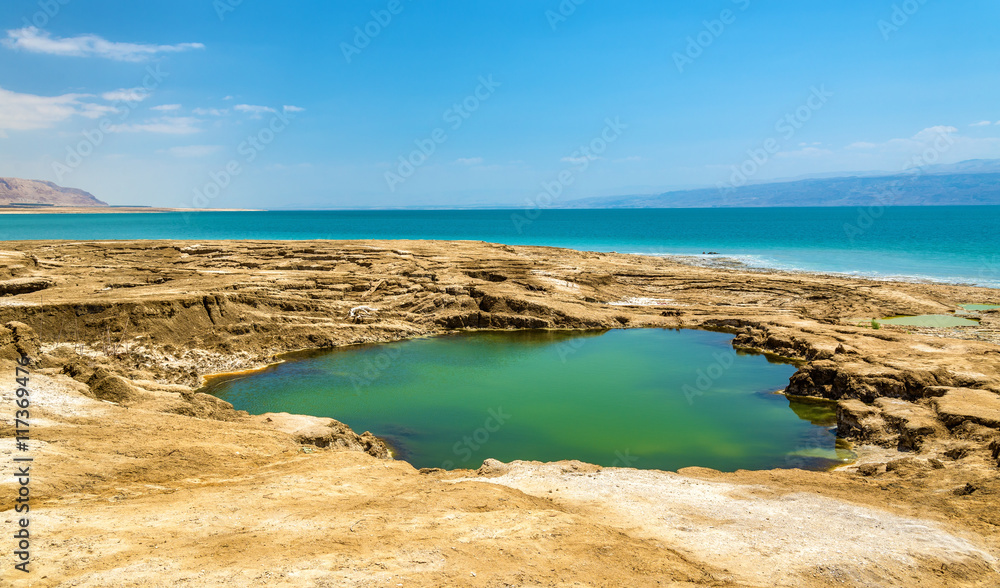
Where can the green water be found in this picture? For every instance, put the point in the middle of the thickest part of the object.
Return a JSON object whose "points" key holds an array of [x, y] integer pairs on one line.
{"points": [[929, 320], [979, 306], [645, 398]]}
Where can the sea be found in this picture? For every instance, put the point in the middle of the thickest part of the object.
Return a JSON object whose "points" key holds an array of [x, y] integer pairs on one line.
{"points": [[951, 244]]}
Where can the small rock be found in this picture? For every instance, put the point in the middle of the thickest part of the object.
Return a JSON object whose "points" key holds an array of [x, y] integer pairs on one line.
{"points": [[957, 453], [906, 465], [870, 469], [964, 490], [492, 466]]}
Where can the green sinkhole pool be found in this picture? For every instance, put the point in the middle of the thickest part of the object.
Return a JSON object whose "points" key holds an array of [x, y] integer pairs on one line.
{"points": [[644, 398], [979, 307], [929, 320]]}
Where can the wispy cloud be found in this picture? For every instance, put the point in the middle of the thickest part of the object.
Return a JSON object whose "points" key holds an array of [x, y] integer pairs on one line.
{"points": [[189, 151], [918, 140], [579, 160], [24, 112], [253, 109], [167, 125], [167, 107], [256, 111], [944, 140], [126, 95], [982, 123], [210, 112], [469, 161], [804, 152], [35, 40]]}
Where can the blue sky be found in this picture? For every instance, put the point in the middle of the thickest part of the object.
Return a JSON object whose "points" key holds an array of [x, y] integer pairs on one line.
{"points": [[283, 105]]}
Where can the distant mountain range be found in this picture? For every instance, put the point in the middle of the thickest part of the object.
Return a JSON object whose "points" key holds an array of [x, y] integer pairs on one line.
{"points": [[975, 181], [28, 193]]}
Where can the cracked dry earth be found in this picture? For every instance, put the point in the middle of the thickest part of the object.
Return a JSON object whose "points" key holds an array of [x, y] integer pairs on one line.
{"points": [[140, 480]]}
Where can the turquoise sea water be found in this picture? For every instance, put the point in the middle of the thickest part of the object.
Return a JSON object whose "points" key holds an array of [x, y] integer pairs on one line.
{"points": [[946, 243], [645, 398]]}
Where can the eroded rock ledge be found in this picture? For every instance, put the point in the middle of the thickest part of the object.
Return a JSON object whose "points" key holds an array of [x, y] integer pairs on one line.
{"points": [[135, 326]]}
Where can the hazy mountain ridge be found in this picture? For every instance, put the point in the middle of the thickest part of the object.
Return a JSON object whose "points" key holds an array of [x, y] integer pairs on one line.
{"points": [[964, 183], [16, 191]]}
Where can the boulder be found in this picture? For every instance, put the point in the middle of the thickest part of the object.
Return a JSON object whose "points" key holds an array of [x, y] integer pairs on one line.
{"points": [[115, 389], [24, 286], [325, 432], [959, 405], [17, 340]]}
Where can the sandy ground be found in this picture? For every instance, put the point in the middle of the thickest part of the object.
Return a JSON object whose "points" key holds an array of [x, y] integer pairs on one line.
{"points": [[140, 481]]}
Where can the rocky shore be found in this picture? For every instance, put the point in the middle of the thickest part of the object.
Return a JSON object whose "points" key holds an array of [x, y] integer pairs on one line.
{"points": [[144, 481]]}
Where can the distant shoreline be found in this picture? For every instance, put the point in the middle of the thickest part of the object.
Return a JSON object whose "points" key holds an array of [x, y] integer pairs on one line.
{"points": [[110, 209]]}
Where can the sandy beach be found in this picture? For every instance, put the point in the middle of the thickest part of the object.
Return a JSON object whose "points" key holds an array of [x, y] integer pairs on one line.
{"points": [[139, 480]]}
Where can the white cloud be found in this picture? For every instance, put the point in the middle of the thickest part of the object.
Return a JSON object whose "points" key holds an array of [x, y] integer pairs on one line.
{"points": [[34, 40], [910, 144], [210, 112], [629, 159], [193, 150], [253, 109], [227, 98], [982, 123], [288, 108], [937, 144], [25, 112], [96, 110], [167, 125], [167, 107], [931, 133], [580, 160], [469, 160], [804, 152], [126, 95]]}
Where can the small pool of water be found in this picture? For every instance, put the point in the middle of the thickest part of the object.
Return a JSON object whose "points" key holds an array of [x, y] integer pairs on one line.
{"points": [[929, 320], [977, 307], [644, 398]]}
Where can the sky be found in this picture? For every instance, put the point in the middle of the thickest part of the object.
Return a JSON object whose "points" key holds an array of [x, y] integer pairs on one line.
{"points": [[405, 103]]}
